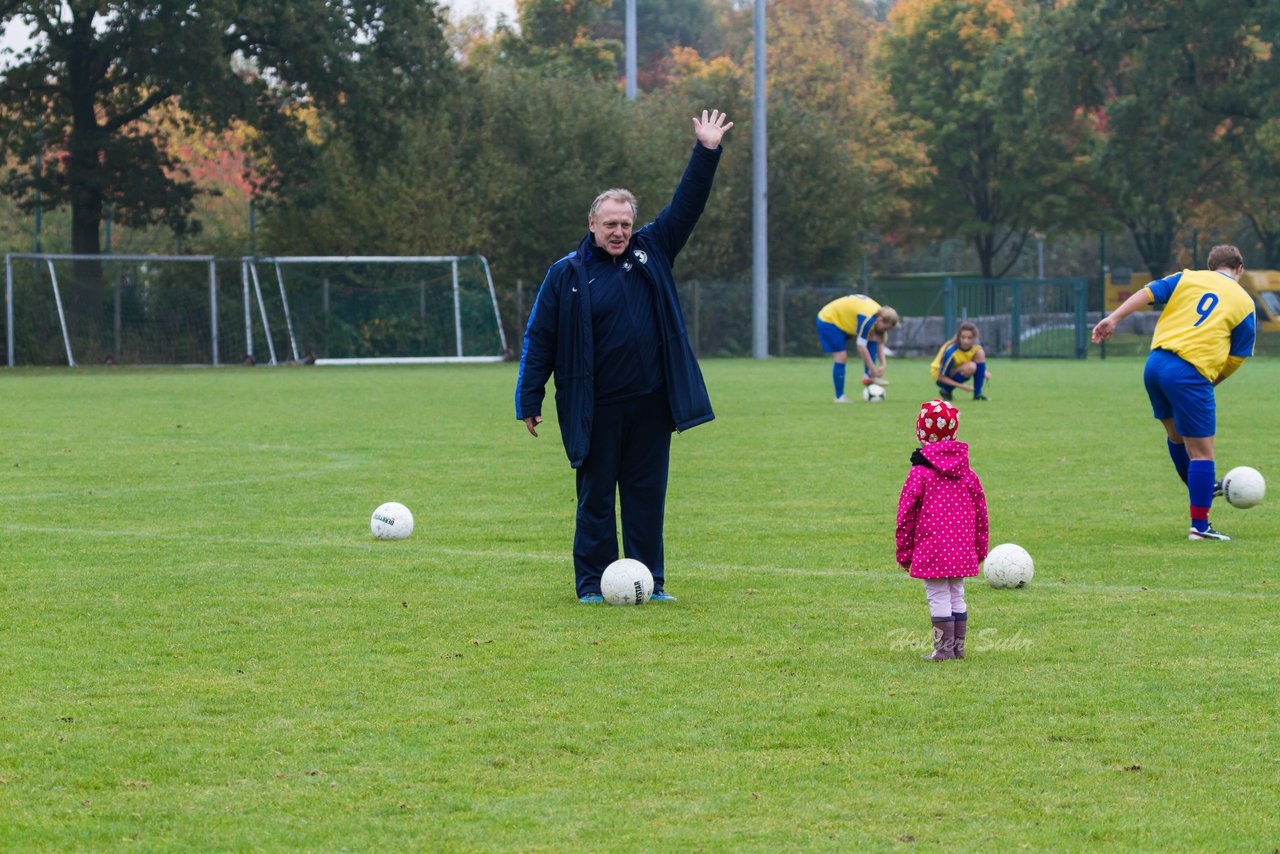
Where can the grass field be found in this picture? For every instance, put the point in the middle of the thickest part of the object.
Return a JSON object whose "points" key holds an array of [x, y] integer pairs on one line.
{"points": [[204, 648]]}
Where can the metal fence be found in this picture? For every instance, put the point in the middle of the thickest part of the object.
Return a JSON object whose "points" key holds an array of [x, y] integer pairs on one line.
{"points": [[1042, 318]]}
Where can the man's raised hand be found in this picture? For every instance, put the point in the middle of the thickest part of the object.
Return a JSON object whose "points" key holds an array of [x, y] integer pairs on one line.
{"points": [[711, 128]]}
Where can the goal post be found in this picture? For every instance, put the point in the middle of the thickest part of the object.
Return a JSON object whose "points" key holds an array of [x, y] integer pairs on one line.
{"points": [[79, 309], [378, 309], [185, 310]]}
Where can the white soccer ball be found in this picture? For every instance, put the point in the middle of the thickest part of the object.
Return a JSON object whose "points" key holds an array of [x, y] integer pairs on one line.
{"points": [[1243, 487], [391, 521], [873, 393], [626, 582], [1008, 565]]}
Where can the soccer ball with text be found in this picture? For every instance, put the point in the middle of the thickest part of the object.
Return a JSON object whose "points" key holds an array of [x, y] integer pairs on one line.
{"points": [[626, 582], [391, 521], [1243, 487], [1008, 566]]}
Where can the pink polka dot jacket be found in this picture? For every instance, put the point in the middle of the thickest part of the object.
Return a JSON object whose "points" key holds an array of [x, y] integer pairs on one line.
{"points": [[942, 514]]}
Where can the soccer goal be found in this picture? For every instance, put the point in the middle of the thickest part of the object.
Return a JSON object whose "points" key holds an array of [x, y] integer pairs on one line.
{"points": [[113, 309], [374, 309], [188, 310]]}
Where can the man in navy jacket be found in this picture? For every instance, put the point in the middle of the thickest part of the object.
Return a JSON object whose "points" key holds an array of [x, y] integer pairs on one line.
{"points": [[607, 324]]}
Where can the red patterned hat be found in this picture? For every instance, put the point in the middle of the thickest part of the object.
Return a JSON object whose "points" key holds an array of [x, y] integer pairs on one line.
{"points": [[938, 422]]}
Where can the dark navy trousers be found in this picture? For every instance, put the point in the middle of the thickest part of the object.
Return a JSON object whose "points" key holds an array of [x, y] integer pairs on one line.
{"points": [[629, 455]]}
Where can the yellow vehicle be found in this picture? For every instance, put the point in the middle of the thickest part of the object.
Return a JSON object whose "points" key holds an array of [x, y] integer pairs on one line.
{"points": [[1264, 287]]}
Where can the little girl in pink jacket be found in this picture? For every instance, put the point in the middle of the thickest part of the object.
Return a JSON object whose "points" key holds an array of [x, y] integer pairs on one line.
{"points": [[942, 524]]}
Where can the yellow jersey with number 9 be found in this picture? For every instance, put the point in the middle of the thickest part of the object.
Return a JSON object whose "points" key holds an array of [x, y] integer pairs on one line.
{"points": [[1207, 318]]}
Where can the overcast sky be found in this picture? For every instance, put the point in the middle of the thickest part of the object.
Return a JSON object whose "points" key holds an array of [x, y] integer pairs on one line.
{"points": [[16, 35]]}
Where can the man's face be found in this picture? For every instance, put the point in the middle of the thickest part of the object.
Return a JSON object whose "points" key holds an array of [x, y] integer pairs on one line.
{"points": [[611, 226]]}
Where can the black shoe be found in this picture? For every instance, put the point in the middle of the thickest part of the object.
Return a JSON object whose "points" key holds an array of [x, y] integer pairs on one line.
{"points": [[1207, 534], [946, 394], [1217, 489], [980, 397]]}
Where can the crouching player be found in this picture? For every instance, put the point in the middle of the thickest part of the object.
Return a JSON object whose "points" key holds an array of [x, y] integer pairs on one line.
{"points": [[960, 360]]}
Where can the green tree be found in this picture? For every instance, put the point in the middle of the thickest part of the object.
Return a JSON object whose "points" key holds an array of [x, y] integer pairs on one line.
{"points": [[1001, 155], [661, 26], [1255, 188], [555, 36], [840, 160], [1177, 93], [96, 69]]}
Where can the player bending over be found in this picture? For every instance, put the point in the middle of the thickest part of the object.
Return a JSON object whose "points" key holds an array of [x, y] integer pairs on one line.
{"points": [[862, 318]]}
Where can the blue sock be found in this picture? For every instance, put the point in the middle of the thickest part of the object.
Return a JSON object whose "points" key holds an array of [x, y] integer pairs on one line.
{"points": [[979, 377], [837, 377], [1178, 453], [1200, 490]]}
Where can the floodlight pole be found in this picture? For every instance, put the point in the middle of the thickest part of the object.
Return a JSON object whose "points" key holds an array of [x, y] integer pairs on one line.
{"points": [[631, 49], [39, 171], [760, 199]]}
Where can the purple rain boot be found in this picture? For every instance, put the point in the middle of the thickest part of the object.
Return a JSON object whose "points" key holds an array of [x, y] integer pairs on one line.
{"points": [[961, 621], [944, 640]]}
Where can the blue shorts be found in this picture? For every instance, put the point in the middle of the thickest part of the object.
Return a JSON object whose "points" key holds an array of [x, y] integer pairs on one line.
{"points": [[1178, 391], [833, 338]]}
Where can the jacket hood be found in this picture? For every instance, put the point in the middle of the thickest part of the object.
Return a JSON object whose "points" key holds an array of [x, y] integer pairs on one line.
{"points": [[949, 459]]}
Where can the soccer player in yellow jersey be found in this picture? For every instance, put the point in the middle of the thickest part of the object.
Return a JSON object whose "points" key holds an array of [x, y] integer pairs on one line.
{"points": [[959, 360], [1205, 332], [860, 317]]}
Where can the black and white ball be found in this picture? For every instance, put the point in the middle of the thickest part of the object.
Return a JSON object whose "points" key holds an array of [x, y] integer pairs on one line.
{"points": [[1243, 487], [1008, 566], [873, 393], [626, 582], [391, 521]]}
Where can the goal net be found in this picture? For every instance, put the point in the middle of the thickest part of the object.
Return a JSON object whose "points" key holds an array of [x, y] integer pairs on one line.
{"points": [[202, 310], [334, 310], [115, 309]]}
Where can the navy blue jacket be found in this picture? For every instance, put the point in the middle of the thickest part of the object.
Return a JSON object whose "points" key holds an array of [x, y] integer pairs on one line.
{"points": [[558, 339]]}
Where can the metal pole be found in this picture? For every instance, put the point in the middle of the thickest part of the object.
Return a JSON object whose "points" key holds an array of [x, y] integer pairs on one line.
{"points": [[62, 315], [493, 297], [631, 49], [8, 308], [1039, 256], [213, 308], [288, 318], [760, 199], [39, 169], [457, 309], [117, 326], [248, 311], [262, 310]]}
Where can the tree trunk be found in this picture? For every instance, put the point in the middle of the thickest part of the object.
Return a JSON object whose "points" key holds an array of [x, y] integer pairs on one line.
{"points": [[85, 146], [1155, 248], [985, 244]]}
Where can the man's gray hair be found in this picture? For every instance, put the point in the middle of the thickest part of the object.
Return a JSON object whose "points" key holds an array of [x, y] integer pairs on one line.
{"points": [[617, 194]]}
